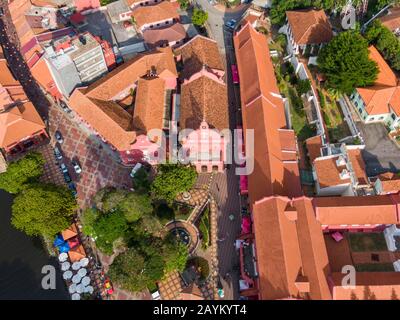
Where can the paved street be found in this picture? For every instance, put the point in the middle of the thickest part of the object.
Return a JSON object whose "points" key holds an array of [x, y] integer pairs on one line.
{"points": [[381, 154]]}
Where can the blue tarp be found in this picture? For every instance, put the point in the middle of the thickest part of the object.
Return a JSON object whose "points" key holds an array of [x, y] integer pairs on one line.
{"points": [[64, 247], [58, 241]]}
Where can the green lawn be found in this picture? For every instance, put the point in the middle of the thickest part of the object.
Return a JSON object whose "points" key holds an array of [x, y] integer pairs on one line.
{"points": [[364, 242], [375, 267]]}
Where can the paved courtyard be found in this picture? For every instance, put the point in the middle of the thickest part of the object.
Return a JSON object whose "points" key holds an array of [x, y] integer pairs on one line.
{"points": [[381, 154], [98, 168]]}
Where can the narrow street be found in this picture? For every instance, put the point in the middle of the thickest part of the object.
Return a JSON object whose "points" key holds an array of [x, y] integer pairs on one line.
{"points": [[225, 186]]}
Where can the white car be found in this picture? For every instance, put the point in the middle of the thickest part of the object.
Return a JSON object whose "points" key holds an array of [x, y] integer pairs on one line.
{"points": [[77, 167], [135, 169], [63, 168], [156, 295]]}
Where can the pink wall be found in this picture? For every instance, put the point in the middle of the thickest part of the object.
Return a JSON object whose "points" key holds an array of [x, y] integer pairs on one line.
{"points": [[82, 5]]}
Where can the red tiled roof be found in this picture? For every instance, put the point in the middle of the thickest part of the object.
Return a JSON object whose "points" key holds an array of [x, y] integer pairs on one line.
{"points": [[391, 20], [309, 26], [328, 173], [390, 182], [356, 210], [314, 145], [162, 36], [154, 13], [263, 111], [358, 165]]}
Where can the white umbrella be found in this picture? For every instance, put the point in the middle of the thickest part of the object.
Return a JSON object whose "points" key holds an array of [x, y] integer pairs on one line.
{"points": [[76, 296], [88, 289], [72, 288], [65, 266], [84, 262], [80, 288], [67, 275], [85, 280], [63, 257], [76, 265], [82, 272], [76, 278]]}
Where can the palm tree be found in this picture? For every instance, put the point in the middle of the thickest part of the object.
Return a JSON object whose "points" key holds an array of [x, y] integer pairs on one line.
{"points": [[334, 94]]}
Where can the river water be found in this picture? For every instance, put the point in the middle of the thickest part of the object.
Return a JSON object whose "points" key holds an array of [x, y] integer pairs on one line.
{"points": [[21, 261]]}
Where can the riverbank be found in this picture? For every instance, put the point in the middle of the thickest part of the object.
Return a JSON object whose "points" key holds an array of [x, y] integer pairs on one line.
{"points": [[21, 261]]}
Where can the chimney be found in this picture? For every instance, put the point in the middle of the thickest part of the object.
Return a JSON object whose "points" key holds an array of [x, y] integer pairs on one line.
{"points": [[340, 162], [290, 212], [344, 174]]}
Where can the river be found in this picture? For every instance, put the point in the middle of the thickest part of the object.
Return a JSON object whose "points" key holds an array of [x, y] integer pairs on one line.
{"points": [[21, 262]]}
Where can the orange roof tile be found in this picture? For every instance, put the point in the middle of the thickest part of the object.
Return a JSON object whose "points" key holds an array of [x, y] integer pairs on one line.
{"points": [[204, 99], [314, 145], [356, 210], [19, 122], [77, 253], [149, 104], [154, 13], [309, 26], [358, 165], [390, 182], [328, 173], [263, 111], [369, 286], [391, 20], [162, 36], [6, 77], [70, 232], [198, 52]]}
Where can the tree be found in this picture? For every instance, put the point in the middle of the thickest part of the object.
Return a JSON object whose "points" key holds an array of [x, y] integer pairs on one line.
{"points": [[175, 254], [172, 180], [303, 86], [88, 219], [112, 199], [346, 64], [108, 228], [135, 205], [22, 173], [184, 4], [141, 181], [43, 210], [199, 17]]}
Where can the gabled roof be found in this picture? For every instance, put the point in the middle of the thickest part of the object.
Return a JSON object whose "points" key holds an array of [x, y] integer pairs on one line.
{"points": [[309, 26], [356, 210], [291, 255], [149, 104], [126, 75], [314, 145], [198, 52], [358, 165], [159, 37], [328, 173], [390, 182], [161, 11], [263, 111], [385, 92], [19, 122], [204, 99]]}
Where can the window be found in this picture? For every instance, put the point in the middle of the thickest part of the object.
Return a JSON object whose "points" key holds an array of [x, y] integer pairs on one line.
{"points": [[393, 116], [359, 110], [166, 22], [381, 118], [375, 257], [371, 119], [356, 103], [204, 168]]}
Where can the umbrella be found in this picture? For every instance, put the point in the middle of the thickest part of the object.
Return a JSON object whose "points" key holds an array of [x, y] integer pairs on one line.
{"points": [[65, 266], [79, 288], [85, 281], [88, 289], [76, 278], [73, 242], [72, 288], [76, 265], [67, 275], [62, 257], [82, 272], [84, 262], [58, 241], [64, 247], [76, 296]]}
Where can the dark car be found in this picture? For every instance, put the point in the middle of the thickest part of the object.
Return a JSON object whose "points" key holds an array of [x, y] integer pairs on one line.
{"points": [[1, 12], [231, 24], [67, 177], [64, 107], [59, 137], [72, 187], [57, 154]]}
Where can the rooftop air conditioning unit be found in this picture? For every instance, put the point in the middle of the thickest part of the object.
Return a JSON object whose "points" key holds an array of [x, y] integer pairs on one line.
{"points": [[344, 174]]}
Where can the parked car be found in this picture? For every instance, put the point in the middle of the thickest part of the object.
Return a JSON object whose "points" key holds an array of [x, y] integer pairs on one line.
{"points": [[58, 137], [1, 12], [57, 153], [231, 24], [67, 177], [72, 187], [76, 166], [64, 107], [63, 168], [135, 169], [156, 295], [235, 74]]}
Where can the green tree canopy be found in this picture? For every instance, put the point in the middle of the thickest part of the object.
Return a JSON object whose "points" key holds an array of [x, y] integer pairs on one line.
{"points": [[88, 219], [346, 64], [141, 182], [21, 173], [199, 17], [135, 205], [108, 228], [175, 254], [43, 210], [171, 180], [184, 4]]}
